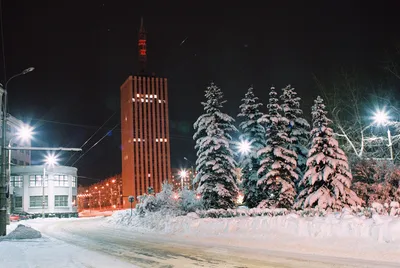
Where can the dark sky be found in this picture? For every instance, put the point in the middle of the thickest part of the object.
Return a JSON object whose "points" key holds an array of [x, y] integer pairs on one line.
{"points": [[84, 50]]}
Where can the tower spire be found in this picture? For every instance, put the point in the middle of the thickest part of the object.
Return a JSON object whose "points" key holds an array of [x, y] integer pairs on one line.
{"points": [[142, 47]]}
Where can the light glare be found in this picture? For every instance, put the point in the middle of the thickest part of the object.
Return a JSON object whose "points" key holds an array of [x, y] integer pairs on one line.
{"points": [[381, 117], [25, 132], [51, 160], [183, 173], [244, 147]]}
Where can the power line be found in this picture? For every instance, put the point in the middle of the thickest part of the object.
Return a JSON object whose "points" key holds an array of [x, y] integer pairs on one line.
{"points": [[91, 137], [94, 144], [178, 137]]}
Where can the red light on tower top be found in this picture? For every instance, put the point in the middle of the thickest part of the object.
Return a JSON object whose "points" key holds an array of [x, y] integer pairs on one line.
{"points": [[142, 47]]}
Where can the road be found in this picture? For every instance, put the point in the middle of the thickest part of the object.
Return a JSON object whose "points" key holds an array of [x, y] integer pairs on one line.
{"points": [[153, 250]]}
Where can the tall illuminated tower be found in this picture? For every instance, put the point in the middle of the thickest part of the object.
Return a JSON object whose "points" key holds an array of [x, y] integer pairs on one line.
{"points": [[145, 146]]}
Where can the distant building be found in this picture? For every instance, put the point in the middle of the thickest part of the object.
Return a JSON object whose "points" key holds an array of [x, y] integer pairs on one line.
{"points": [[106, 194], [144, 130], [59, 188]]}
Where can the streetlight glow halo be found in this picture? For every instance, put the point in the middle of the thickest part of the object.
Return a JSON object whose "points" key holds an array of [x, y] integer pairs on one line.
{"points": [[183, 173], [51, 159], [381, 117], [244, 147], [25, 132]]}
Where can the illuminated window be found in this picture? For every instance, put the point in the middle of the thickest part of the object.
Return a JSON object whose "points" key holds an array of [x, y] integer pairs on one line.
{"points": [[61, 180]]}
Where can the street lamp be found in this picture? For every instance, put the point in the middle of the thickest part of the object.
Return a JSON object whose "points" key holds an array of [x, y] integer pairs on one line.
{"points": [[3, 180], [50, 160], [24, 133], [381, 118], [244, 147], [192, 172], [183, 174]]}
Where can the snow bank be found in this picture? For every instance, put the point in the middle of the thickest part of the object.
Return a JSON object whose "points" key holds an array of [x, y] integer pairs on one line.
{"points": [[152, 221], [23, 232], [383, 229]]}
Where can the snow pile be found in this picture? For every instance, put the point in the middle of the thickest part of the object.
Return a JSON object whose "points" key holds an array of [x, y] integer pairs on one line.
{"points": [[378, 228], [95, 213], [151, 221], [23, 232], [230, 213]]}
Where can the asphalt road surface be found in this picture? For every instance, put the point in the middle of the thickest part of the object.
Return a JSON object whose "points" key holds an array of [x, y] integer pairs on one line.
{"points": [[148, 250]]}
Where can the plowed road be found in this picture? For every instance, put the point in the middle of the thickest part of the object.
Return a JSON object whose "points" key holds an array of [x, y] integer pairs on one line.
{"points": [[152, 250]]}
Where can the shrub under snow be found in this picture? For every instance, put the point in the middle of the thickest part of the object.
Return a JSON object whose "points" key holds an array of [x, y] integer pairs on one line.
{"points": [[169, 202]]}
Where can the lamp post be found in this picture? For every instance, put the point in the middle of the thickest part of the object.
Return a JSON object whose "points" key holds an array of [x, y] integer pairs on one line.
{"points": [[50, 160], [24, 134], [3, 181], [183, 175], [381, 117], [192, 170]]}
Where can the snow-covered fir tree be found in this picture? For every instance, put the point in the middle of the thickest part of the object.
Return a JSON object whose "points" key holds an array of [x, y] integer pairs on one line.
{"points": [[215, 163], [277, 163], [327, 179], [253, 135], [298, 128]]}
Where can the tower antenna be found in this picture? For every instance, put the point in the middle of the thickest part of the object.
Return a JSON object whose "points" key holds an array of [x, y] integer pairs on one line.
{"points": [[142, 47]]}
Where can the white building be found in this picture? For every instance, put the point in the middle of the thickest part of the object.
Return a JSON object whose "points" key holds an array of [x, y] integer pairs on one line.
{"points": [[60, 190]]}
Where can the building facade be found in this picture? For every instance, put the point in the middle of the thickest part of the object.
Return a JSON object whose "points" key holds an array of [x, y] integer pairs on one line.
{"points": [[104, 195], [144, 130], [58, 190]]}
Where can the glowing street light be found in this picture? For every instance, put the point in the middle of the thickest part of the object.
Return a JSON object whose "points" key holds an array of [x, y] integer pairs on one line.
{"points": [[25, 132], [244, 147], [381, 117], [183, 174], [50, 160]]}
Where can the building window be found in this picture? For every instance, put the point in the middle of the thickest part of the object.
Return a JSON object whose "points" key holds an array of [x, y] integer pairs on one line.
{"points": [[17, 181], [73, 181], [61, 180], [14, 161], [61, 200], [21, 163], [36, 180], [37, 201], [18, 202]]}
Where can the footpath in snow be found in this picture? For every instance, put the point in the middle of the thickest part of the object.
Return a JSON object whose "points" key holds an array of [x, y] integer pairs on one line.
{"points": [[337, 234], [46, 252]]}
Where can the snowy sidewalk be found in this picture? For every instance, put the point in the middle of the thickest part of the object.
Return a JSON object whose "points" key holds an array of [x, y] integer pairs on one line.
{"points": [[48, 252]]}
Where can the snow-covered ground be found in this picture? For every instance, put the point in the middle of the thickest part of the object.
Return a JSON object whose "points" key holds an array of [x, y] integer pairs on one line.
{"points": [[95, 213], [339, 234], [48, 252]]}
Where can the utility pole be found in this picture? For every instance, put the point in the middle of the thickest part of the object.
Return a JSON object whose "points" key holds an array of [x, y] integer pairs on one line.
{"points": [[4, 184]]}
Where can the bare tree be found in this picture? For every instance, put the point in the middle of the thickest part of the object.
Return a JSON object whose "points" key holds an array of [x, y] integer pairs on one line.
{"points": [[352, 106]]}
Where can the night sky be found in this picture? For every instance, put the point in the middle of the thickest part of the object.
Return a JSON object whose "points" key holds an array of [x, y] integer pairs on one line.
{"points": [[84, 50]]}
